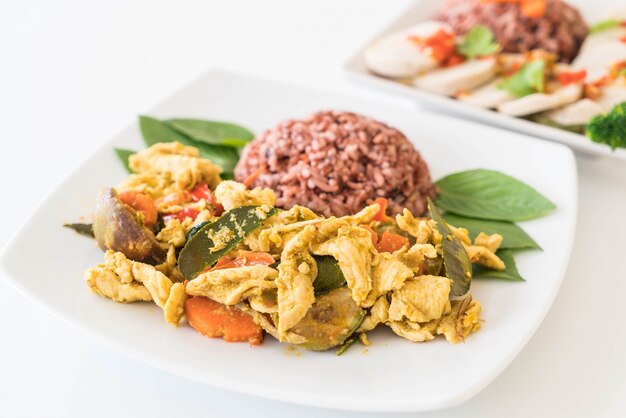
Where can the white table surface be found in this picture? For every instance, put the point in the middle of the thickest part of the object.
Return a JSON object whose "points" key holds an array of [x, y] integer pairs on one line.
{"points": [[74, 72]]}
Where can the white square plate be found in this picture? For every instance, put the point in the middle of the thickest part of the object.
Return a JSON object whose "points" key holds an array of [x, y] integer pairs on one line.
{"points": [[356, 70], [46, 262]]}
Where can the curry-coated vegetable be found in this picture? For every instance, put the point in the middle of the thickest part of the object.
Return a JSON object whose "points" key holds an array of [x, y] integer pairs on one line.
{"points": [[330, 321], [117, 227], [329, 275], [216, 239]]}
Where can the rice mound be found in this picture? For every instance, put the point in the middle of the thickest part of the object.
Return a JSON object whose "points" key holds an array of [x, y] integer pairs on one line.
{"points": [[561, 30], [336, 163]]}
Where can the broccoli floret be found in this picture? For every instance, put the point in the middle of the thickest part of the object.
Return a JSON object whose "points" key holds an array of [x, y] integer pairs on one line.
{"points": [[609, 128]]}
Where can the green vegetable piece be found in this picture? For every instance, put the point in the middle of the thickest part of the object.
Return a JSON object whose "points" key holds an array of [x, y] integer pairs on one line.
{"points": [[394, 229], [455, 259], [330, 321], [432, 266], [478, 42], [514, 236], [527, 80], [155, 131], [194, 229], [212, 132], [510, 273], [610, 128], [202, 252], [123, 155], [491, 195], [82, 229], [329, 275], [604, 25], [344, 347]]}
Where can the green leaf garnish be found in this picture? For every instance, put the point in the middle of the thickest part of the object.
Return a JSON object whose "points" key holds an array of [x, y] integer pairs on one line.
{"points": [[329, 275], [604, 25], [82, 229], [478, 42], [212, 132], [123, 155], [527, 80], [455, 259], [509, 273], [491, 195], [609, 128], [514, 236], [155, 131]]}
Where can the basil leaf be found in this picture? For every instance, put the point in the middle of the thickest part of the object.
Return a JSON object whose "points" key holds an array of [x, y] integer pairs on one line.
{"points": [[527, 80], [478, 42], [514, 236], [510, 273], [155, 131], [212, 132], [455, 259], [194, 229], [604, 25], [123, 155], [491, 195], [82, 229]]}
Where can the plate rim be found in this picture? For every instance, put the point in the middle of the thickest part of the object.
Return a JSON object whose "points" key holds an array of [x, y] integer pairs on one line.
{"points": [[294, 398]]}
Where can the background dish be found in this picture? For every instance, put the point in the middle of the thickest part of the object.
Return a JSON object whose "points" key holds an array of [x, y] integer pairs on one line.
{"points": [[356, 70], [416, 376]]}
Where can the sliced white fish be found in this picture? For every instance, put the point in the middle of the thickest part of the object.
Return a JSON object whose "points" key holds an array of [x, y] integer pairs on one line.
{"points": [[600, 51], [577, 113], [461, 77], [397, 56], [540, 102], [488, 95]]}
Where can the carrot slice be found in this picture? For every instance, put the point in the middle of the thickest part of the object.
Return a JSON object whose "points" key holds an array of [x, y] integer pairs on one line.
{"points": [[248, 182], [248, 258], [373, 233], [141, 203], [534, 8], [381, 215], [215, 320], [389, 242]]}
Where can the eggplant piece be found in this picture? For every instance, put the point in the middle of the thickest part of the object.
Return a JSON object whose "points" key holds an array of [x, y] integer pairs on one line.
{"points": [[330, 321], [117, 227]]}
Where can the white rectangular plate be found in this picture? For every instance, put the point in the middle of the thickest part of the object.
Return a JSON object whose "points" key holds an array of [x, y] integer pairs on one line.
{"points": [[46, 262], [356, 70]]}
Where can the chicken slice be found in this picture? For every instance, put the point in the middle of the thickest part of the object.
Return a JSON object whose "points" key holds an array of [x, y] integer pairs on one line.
{"points": [[419, 228], [234, 285], [124, 280], [388, 273], [451, 80], [399, 55], [233, 195], [413, 331], [421, 299], [540, 102], [488, 95], [180, 162], [463, 319], [378, 314]]}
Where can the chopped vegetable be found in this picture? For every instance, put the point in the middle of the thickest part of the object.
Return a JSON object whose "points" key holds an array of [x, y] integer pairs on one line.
{"points": [[604, 25], [441, 46], [216, 239], [141, 203], [329, 275], [568, 77], [215, 320], [344, 347], [123, 155], [83, 229], [390, 242], [117, 227], [530, 78], [330, 321], [455, 259], [478, 42], [201, 191], [534, 9], [609, 128], [246, 258], [183, 214], [381, 215], [195, 229]]}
